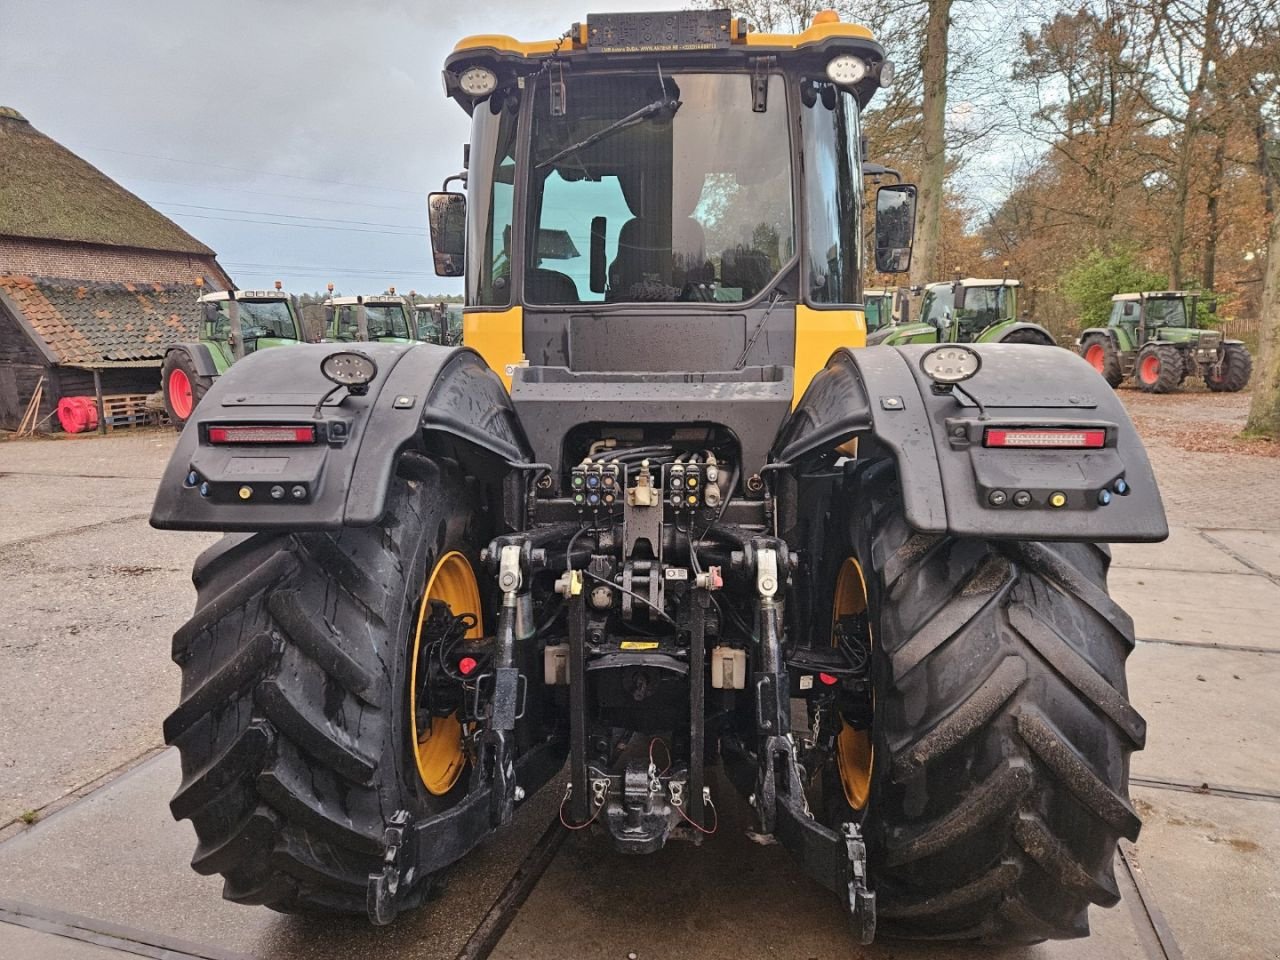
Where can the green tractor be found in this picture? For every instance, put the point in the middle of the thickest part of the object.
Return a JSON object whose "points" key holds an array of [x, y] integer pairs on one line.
{"points": [[1155, 337], [383, 318], [968, 310], [235, 323], [884, 307], [439, 323]]}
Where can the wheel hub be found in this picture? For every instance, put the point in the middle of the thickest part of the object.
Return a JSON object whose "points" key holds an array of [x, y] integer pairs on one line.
{"points": [[439, 749]]}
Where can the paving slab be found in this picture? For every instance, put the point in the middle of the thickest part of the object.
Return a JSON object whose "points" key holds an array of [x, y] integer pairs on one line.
{"points": [[728, 898], [1213, 865], [117, 855], [1184, 550], [1204, 608], [22, 943], [36, 507], [128, 453], [1212, 715], [1259, 547], [85, 673]]}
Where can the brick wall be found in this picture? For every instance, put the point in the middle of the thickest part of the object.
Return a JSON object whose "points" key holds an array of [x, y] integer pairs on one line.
{"points": [[83, 261]]}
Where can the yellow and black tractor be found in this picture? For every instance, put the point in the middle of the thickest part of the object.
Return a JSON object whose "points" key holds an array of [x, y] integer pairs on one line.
{"points": [[660, 518]]}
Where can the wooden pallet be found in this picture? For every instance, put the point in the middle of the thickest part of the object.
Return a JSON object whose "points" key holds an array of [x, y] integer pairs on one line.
{"points": [[128, 410]]}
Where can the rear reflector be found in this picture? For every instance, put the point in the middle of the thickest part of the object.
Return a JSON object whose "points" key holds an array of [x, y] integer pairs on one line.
{"points": [[1062, 439], [260, 434]]}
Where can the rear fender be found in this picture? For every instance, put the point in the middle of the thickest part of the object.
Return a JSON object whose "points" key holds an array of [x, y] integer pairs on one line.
{"points": [[420, 391], [201, 357], [948, 476], [997, 333]]}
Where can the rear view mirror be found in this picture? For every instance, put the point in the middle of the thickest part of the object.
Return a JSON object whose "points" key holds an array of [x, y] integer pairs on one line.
{"points": [[1212, 306], [447, 215], [895, 227]]}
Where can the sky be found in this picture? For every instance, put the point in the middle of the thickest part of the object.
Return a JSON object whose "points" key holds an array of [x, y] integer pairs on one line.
{"points": [[297, 138]]}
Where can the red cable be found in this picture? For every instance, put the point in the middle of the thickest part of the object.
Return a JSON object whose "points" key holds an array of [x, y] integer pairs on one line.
{"points": [[699, 827]]}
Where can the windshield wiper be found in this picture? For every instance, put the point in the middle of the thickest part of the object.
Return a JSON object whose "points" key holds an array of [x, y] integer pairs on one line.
{"points": [[630, 120]]}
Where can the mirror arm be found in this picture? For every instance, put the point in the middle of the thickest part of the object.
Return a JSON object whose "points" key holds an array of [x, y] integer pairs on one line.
{"points": [[460, 177]]}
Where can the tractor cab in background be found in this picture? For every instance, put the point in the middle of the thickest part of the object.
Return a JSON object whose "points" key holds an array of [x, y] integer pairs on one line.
{"points": [[381, 318], [438, 323], [970, 310], [885, 308]]}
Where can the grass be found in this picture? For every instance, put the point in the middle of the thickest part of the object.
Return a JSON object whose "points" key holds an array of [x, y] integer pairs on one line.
{"points": [[29, 817]]}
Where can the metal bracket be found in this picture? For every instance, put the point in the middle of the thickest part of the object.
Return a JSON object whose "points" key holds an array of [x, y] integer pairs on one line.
{"points": [[760, 83], [380, 894], [862, 901], [767, 573]]}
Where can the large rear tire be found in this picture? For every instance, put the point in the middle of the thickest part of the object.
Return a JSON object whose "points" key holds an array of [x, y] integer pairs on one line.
{"points": [[1100, 350], [294, 727], [1233, 375], [1160, 368], [1001, 728], [182, 387]]}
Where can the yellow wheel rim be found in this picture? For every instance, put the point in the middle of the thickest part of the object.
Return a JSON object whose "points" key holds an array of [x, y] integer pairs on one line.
{"points": [[438, 750], [855, 753]]}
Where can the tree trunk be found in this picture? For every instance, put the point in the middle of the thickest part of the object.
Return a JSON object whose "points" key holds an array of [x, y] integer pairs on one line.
{"points": [[1264, 409], [925, 266], [1216, 173]]}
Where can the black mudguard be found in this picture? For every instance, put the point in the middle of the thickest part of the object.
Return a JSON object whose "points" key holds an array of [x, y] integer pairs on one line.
{"points": [[1028, 325], [342, 478], [201, 357], [1104, 331], [949, 477]]}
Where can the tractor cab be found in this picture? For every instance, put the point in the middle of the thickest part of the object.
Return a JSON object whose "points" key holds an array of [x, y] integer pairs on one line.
{"points": [[970, 310], [1167, 316], [645, 199], [884, 308], [380, 318], [438, 323], [238, 322]]}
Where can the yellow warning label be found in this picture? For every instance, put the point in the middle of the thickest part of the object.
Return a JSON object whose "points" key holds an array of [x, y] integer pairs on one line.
{"points": [[639, 645]]}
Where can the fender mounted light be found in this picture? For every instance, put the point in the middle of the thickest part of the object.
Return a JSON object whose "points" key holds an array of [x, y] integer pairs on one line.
{"points": [[950, 363], [262, 433], [350, 369], [1039, 438]]}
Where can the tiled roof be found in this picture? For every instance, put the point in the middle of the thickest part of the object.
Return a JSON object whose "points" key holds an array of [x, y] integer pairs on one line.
{"points": [[94, 323], [49, 193]]}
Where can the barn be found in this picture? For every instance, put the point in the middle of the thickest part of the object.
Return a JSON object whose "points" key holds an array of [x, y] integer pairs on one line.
{"points": [[93, 281]]}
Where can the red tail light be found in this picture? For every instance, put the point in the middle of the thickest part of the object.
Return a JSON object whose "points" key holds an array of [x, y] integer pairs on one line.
{"points": [[262, 434], [1045, 438]]}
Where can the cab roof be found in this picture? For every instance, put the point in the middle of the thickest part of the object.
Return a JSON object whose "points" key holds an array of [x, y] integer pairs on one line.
{"points": [[1153, 295], [376, 299], [978, 282], [682, 38], [242, 295]]}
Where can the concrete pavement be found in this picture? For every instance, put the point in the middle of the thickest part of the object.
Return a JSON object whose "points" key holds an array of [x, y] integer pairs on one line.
{"points": [[85, 680]]}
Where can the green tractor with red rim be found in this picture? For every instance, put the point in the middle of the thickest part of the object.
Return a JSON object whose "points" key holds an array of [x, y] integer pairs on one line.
{"points": [[1155, 337], [234, 324]]}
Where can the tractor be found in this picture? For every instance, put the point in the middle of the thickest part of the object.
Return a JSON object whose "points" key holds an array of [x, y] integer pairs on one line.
{"points": [[884, 308], [234, 324], [379, 318], [439, 322], [1156, 338], [659, 523], [968, 310]]}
